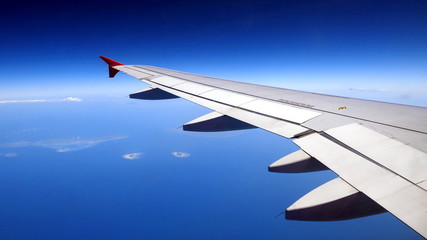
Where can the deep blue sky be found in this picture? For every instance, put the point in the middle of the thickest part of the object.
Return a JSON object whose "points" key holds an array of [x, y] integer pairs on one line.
{"points": [[50, 49], [52, 46], [221, 191]]}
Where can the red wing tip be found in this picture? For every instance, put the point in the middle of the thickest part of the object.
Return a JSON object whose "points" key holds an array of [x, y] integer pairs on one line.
{"points": [[110, 62]]}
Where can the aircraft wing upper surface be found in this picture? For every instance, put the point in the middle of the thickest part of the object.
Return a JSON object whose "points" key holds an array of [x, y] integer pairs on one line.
{"points": [[378, 150]]}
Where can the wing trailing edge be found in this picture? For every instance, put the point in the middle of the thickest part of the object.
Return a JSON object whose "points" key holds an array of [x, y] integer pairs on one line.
{"points": [[377, 170]]}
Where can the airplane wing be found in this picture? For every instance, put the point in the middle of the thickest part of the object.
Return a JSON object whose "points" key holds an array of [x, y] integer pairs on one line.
{"points": [[378, 150]]}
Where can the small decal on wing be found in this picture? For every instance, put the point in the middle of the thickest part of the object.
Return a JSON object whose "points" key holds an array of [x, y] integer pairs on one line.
{"points": [[295, 103]]}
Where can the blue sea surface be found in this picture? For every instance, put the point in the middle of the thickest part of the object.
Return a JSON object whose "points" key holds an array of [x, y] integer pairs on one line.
{"points": [[64, 174]]}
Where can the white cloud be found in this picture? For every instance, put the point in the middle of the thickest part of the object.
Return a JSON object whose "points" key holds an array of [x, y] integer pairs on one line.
{"points": [[27, 130], [65, 145], [369, 89], [67, 149], [11, 154], [132, 156], [181, 154], [73, 99], [68, 99]]}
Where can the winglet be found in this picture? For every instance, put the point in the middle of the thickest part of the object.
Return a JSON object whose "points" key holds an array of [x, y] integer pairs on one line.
{"points": [[111, 63]]}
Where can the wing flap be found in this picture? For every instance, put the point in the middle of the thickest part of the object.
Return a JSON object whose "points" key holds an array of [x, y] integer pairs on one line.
{"points": [[397, 195], [400, 158], [279, 110]]}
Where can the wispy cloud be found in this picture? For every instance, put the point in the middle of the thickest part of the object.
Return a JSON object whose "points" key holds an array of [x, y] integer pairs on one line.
{"points": [[369, 89], [64, 145], [181, 154], [68, 99], [11, 154], [132, 156]]}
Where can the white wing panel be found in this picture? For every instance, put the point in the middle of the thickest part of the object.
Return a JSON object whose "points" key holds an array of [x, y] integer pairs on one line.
{"points": [[279, 127], [193, 88], [167, 81], [292, 114], [402, 159], [227, 97]]}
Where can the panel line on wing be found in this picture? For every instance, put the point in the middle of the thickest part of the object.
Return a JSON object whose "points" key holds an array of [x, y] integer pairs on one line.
{"points": [[400, 158], [341, 144], [230, 105], [288, 103], [271, 124], [405, 200]]}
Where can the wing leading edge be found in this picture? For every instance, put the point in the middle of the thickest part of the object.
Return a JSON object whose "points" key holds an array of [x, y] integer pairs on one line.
{"points": [[378, 150]]}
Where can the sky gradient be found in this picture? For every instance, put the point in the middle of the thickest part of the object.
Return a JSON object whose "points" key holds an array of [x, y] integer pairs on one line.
{"points": [[79, 160], [312, 45]]}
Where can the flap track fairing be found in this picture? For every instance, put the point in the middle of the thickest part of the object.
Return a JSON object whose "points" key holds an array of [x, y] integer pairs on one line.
{"points": [[152, 94], [333, 201], [297, 162], [216, 122]]}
